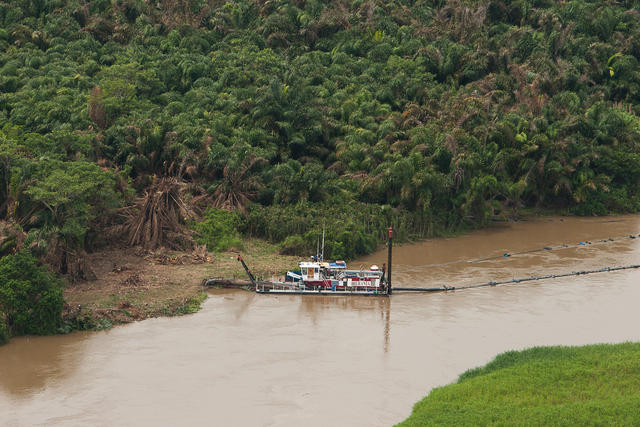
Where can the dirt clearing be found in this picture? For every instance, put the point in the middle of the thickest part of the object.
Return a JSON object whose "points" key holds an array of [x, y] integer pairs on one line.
{"points": [[134, 284]]}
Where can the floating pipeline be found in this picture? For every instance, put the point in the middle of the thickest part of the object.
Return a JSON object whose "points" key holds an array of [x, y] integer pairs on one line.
{"points": [[530, 251], [446, 288], [245, 284], [252, 284]]}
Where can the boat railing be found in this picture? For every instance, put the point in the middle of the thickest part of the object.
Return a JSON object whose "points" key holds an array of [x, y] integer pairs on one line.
{"points": [[326, 287]]}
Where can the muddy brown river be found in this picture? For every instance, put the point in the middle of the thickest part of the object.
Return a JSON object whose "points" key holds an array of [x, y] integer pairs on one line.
{"points": [[257, 360]]}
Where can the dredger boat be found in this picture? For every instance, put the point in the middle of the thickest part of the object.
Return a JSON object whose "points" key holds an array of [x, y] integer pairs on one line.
{"points": [[320, 277]]}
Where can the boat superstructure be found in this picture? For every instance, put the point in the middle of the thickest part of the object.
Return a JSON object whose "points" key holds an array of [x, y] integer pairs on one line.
{"points": [[321, 277], [317, 276]]}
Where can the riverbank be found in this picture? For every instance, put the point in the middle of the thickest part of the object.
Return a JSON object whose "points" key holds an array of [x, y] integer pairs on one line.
{"points": [[595, 384], [133, 284]]}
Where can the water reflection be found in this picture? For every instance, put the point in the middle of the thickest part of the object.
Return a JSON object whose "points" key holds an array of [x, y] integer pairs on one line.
{"points": [[245, 301], [317, 306], [315, 309]]}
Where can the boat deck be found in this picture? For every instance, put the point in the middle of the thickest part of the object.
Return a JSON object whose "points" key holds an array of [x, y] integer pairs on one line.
{"points": [[284, 291]]}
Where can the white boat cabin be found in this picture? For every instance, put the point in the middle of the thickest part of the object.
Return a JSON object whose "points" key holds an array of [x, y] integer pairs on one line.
{"points": [[336, 274], [312, 271]]}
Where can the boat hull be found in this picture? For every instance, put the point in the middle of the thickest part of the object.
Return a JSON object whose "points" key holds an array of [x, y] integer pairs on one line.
{"points": [[320, 291]]}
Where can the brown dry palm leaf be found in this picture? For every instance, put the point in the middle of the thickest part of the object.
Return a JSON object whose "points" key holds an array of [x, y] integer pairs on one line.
{"points": [[157, 218], [68, 261], [11, 237]]}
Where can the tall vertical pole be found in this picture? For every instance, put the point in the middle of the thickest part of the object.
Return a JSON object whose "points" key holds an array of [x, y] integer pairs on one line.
{"points": [[389, 261]]}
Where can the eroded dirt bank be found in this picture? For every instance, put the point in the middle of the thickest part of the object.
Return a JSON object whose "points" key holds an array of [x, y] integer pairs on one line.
{"points": [[134, 284]]}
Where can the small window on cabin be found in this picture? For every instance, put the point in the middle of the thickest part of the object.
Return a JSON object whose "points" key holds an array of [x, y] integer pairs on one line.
{"points": [[316, 270]]}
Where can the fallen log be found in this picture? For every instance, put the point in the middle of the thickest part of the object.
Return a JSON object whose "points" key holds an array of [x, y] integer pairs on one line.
{"points": [[227, 283]]}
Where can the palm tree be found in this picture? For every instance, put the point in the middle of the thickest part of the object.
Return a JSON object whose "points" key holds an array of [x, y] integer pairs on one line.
{"points": [[238, 186]]}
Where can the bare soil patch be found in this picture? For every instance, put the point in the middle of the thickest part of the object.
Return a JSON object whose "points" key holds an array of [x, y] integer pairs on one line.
{"points": [[134, 284]]}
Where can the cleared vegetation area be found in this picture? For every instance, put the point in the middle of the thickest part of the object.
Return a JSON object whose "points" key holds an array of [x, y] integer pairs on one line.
{"points": [[134, 284], [590, 385]]}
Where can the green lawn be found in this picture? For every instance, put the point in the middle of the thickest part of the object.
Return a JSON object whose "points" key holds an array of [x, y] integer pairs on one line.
{"points": [[590, 385]]}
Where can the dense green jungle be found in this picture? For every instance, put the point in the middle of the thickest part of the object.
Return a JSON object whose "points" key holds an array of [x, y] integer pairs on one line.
{"points": [[132, 122]]}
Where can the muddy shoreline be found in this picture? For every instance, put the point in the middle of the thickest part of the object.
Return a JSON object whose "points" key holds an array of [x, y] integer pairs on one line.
{"points": [[133, 284]]}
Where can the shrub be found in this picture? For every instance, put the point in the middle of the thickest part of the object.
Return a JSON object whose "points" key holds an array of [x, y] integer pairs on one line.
{"points": [[30, 296], [219, 230], [293, 245], [351, 229], [4, 333]]}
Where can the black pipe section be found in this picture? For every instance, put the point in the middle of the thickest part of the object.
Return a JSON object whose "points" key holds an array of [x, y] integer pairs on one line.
{"points": [[389, 261], [253, 279], [524, 279]]}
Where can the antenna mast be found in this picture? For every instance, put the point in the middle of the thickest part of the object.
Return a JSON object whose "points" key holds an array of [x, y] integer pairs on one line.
{"points": [[322, 254], [389, 261]]}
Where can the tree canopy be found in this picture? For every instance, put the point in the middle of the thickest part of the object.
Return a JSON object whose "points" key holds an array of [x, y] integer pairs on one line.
{"points": [[426, 114], [30, 297]]}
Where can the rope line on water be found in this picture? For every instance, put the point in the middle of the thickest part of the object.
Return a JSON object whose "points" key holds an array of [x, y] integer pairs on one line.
{"points": [[525, 279], [530, 251]]}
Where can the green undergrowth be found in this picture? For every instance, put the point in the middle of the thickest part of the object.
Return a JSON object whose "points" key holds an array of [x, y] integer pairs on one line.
{"points": [[31, 299], [590, 385], [85, 323], [350, 229], [219, 230], [4, 333], [192, 305]]}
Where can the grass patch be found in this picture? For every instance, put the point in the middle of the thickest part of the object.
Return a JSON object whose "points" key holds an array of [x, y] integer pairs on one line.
{"points": [[85, 323], [192, 305], [590, 385]]}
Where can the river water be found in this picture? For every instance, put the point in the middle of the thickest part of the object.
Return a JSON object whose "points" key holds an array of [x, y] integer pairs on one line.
{"points": [[248, 359]]}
